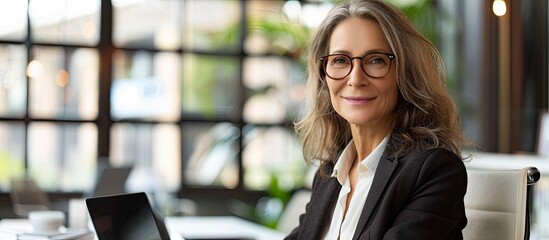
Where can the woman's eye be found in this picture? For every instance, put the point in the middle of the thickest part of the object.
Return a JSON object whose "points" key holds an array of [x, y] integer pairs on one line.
{"points": [[377, 60], [339, 61]]}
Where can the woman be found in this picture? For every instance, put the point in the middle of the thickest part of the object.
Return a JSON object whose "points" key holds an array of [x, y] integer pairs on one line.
{"points": [[384, 129]]}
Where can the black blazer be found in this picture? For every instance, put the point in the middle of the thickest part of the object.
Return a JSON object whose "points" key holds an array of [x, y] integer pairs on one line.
{"points": [[418, 196]]}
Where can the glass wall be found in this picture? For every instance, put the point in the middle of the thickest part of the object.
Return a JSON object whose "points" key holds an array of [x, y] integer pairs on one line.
{"points": [[49, 75], [201, 94]]}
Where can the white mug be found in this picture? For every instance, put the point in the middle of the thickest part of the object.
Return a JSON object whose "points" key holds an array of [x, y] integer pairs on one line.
{"points": [[46, 220]]}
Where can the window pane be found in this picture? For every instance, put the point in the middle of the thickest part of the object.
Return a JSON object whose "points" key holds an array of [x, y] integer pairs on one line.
{"points": [[146, 85], [13, 82], [63, 157], [272, 30], [63, 83], [272, 153], [210, 154], [276, 89], [213, 25], [153, 150], [13, 20], [12, 165], [211, 86], [65, 21], [147, 24]]}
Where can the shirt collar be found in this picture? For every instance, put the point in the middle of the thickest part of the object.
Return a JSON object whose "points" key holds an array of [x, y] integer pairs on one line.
{"points": [[345, 160]]}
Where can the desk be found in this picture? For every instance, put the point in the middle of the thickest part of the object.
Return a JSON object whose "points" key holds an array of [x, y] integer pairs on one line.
{"points": [[222, 226], [17, 224], [191, 227], [23, 225], [516, 161]]}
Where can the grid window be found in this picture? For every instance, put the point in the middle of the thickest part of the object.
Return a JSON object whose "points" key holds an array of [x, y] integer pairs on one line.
{"points": [[166, 88]]}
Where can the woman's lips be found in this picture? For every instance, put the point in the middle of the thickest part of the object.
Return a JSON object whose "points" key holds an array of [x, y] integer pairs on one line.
{"points": [[358, 100]]}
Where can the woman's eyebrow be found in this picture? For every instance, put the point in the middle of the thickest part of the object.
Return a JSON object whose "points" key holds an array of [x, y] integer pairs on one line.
{"points": [[340, 52], [376, 50]]}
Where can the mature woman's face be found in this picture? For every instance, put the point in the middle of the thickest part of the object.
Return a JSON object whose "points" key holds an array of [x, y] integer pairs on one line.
{"points": [[359, 98]]}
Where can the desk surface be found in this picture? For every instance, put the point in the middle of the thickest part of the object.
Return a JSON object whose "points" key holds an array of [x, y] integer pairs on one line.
{"points": [[222, 226], [500, 160], [190, 227]]}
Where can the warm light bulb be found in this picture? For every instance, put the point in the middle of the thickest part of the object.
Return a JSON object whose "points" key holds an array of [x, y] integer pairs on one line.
{"points": [[34, 69], [499, 7], [62, 78]]}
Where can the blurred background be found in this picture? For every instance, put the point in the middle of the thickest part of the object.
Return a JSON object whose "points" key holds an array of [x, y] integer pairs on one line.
{"points": [[200, 96]]}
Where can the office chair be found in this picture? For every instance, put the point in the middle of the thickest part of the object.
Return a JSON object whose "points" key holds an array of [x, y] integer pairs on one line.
{"points": [[26, 196], [497, 203], [289, 219]]}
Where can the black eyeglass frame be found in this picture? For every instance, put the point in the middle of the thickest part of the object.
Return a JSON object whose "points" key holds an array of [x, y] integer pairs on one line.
{"points": [[324, 58]]}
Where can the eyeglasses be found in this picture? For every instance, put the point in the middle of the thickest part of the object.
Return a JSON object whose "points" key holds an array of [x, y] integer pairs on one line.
{"points": [[339, 66]]}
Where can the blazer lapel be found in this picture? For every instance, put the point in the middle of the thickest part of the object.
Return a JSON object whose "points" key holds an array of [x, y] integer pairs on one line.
{"points": [[382, 176]]}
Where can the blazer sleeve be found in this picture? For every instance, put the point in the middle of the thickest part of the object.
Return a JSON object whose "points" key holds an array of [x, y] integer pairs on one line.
{"points": [[435, 208]]}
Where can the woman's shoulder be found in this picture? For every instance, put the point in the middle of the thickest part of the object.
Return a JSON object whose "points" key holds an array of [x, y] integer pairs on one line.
{"points": [[435, 163], [439, 152], [434, 157]]}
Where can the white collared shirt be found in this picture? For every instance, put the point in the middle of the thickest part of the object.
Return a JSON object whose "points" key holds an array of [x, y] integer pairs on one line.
{"points": [[344, 228]]}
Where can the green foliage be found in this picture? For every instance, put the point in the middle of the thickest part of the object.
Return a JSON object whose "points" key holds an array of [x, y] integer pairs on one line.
{"points": [[10, 167], [422, 14], [287, 38], [227, 37]]}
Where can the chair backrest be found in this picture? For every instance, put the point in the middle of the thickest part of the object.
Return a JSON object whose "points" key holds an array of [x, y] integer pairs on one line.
{"points": [[26, 196], [289, 219], [497, 203]]}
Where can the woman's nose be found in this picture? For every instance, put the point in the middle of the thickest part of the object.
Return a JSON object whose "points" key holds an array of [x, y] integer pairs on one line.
{"points": [[357, 77]]}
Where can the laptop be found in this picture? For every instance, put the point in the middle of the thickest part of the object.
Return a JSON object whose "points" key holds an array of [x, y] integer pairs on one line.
{"points": [[127, 216]]}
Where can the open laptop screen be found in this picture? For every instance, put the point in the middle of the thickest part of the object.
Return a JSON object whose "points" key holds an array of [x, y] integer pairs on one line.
{"points": [[125, 217]]}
